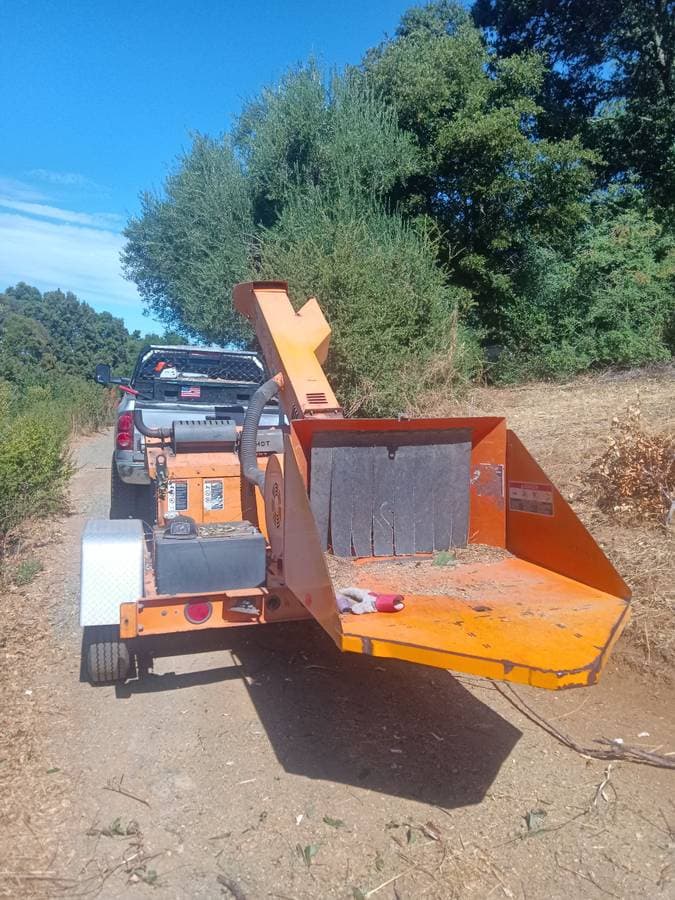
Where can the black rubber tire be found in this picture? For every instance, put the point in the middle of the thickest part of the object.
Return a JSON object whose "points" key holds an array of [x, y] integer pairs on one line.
{"points": [[107, 659], [123, 497], [146, 504]]}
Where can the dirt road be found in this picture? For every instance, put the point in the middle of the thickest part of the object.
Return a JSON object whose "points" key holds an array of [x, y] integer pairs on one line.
{"points": [[275, 767]]}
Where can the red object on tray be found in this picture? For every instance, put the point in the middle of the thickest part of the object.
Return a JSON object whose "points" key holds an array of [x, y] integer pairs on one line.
{"points": [[388, 602]]}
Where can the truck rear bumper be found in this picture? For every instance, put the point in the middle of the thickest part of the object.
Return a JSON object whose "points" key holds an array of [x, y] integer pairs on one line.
{"points": [[131, 471]]}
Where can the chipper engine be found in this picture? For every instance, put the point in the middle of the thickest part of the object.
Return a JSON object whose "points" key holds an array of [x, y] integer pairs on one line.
{"points": [[472, 559]]}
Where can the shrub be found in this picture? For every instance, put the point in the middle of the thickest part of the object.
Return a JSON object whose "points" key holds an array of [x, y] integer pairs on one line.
{"points": [[34, 465], [382, 291], [610, 303], [34, 434], [26, 571], [635, 477]]}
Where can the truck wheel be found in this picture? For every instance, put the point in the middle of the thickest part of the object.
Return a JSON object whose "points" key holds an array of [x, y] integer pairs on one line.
{"points": [[122, 496], [106, 658], [146, 505]]}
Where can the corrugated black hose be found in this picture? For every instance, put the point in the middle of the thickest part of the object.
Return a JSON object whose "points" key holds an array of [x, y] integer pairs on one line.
{"points": [[249, 433]]}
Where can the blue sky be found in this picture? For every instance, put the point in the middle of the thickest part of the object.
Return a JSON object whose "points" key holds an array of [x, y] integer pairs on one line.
{"points": [[97, 99]]}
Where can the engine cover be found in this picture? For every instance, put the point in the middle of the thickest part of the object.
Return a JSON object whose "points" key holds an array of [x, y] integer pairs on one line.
{"points": [[220, 557]]}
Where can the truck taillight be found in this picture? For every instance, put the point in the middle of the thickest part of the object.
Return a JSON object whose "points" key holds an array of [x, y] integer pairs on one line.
{"points": [[125, 431]]}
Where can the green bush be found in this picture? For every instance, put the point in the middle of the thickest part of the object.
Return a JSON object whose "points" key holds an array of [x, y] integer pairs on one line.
{"points": [[26, 571], [34, 435], [609, 303], [34, 465], [383, 294]]}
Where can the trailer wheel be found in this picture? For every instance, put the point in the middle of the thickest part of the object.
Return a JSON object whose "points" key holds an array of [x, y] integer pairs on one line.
{"points": [[122, 496], [107, 658]]}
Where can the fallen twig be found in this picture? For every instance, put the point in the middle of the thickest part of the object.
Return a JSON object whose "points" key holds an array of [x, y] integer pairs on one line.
{"points": [[618, 751], [389, 881], [600, 790], [231, 886], [586, 876], [118, 789]]}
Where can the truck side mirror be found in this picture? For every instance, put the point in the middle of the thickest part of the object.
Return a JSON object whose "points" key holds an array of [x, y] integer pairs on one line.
{"points": [[103, 374]]}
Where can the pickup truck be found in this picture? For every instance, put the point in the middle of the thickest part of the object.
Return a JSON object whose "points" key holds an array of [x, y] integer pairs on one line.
{"points": [[168, 384]]}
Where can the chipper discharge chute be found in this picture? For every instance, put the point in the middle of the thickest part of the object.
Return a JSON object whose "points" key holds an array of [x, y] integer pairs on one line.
{"points": [[452, 517]]}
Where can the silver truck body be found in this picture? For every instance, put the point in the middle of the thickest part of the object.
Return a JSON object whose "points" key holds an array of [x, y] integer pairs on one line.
{"points": [[158, 413]]}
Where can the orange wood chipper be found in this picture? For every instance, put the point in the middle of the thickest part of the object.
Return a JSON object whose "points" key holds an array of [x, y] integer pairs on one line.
{"points": [[250, 524]]}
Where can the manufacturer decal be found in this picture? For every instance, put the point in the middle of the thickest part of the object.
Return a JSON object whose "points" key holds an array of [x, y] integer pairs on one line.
{"points": [[213, 493], [526, 496]]}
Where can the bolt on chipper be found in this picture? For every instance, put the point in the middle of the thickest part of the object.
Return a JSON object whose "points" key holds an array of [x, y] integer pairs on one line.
{"points": [[251, 522]]}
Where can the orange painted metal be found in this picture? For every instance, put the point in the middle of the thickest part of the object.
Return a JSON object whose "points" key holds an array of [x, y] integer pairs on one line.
{"points": [[164, 614], [558, 542], [197, 468], [509, 620], [305, 571], [295, 344], [548, 616], [526, 622]]}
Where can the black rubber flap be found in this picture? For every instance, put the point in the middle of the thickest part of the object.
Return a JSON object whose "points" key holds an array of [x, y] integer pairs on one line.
{"points": [[391, 493]]}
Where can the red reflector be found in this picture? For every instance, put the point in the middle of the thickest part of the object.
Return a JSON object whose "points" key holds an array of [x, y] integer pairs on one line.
{"points": [[197, 612]]}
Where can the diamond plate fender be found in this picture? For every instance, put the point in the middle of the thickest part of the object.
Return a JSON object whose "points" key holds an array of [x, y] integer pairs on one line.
{"points": [[111, 569]]}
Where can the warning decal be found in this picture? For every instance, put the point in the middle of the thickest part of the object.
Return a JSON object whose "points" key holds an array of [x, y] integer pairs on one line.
{"points": [[525, 496], [213, 493], [177, 496]]}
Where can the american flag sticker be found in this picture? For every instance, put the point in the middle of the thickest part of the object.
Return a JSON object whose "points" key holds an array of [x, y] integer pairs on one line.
{"points": [[190, 393]]}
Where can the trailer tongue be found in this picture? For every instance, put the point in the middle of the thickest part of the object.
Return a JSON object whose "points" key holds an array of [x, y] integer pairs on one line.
{"points": [[393, 497]]}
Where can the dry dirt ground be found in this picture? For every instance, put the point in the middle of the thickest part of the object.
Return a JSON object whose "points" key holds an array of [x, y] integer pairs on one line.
{"points": [[274, 767]]}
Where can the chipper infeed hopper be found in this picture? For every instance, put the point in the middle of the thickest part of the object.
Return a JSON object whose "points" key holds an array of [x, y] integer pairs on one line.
{"points": [[546, 614], [522, 592]]}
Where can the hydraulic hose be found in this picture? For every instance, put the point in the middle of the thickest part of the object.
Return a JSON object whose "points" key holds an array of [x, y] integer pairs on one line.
{"points": [[249, 432], [144, 429]]}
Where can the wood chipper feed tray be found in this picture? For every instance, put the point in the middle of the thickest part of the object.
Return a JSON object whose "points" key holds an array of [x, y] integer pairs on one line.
{"points": [[492, 614], [414, 575]]}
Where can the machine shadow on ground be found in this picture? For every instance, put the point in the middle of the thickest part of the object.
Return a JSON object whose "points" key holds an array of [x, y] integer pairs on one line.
{"points": [[388, 726]]}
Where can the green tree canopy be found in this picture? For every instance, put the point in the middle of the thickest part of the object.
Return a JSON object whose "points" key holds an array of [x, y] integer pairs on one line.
{"points": [[387, 300], [486, 177], [610, 76], [44, 337], [190, 243], [507, 181]]}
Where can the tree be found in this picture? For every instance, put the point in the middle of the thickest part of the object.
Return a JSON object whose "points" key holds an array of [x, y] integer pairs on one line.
{"points": [[45, 337], [196, 239], [383, 293], [610, 76], [191, 243], [486, 177], [608, 302], [310, 132], [77, 336]]}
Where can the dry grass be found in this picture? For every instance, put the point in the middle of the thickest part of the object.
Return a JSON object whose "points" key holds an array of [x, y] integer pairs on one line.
{"points": [[29, 790]]}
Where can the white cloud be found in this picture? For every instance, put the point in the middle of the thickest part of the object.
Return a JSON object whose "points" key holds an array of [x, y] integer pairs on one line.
{"points": [[84, 260], [64, 179], [110, 221], [19, 190]]}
